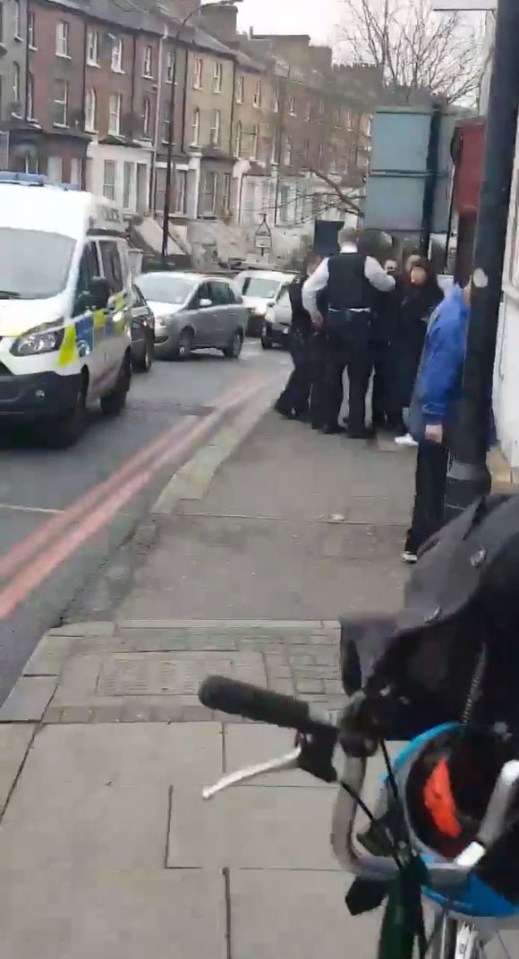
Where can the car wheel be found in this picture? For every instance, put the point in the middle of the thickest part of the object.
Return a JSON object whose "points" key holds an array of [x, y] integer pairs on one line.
{"points": [[144, 363], [68, 429], [266, 342], [114, 402], [185, 344], [233, 350]]}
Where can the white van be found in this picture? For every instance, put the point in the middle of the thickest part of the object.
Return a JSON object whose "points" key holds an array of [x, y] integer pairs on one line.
{"points": [[64, 305]]}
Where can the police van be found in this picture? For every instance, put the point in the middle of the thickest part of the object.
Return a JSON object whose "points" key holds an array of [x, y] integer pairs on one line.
{"points": [[65, 295]]}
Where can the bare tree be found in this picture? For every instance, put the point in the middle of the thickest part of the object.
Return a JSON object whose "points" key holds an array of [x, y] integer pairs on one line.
{"points": [[415, 50]]}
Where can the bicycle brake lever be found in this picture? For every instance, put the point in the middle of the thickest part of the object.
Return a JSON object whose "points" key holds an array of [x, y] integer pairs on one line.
{"points": [[280, 764]]}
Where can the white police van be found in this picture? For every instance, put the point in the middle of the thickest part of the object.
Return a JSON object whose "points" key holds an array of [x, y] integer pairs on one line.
{"points": [[64, 305]]}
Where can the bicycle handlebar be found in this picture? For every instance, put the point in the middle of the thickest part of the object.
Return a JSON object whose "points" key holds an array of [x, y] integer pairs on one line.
{"points": [[252, 702]]}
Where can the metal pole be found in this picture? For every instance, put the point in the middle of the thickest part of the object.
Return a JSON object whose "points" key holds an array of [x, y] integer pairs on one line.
{"points": [[171, 134], [468, 475]]}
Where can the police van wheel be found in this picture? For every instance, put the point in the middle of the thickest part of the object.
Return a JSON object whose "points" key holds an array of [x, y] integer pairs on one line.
{"points": [[114, 402], [69, 428]]}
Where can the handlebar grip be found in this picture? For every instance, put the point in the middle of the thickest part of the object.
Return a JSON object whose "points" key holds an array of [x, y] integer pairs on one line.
{"points": [[261, 705]]}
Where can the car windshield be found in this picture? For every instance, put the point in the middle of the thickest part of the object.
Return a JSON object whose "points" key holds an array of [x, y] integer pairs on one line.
{"points": [[261, 287], [34, 265], [165, 288]]}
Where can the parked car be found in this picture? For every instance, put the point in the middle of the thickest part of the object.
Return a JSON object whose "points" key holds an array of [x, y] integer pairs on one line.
{"points": [[194, 312], [278, 319], [261, 289], [143, 332]]}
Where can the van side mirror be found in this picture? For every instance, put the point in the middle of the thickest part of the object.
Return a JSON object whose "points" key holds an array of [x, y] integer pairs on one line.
{"points": [[99, 292]]}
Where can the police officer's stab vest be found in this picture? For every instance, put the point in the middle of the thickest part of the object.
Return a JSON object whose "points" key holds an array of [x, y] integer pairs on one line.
{"points": [[348, 288]]}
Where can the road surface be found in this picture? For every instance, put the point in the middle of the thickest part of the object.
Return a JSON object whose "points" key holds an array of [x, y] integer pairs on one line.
{"points": [[62, 514]]}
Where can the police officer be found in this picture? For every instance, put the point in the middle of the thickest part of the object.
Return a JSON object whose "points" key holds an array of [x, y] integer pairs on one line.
{"points": [[349, 279], [294, 400]]}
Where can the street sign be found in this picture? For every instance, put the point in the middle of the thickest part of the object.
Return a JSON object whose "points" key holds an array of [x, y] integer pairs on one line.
{"points": [[263, 237], [463, 6]]}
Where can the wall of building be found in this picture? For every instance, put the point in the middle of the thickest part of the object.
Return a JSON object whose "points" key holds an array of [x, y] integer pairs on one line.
{"points": [[13, 30], [205, 99], [121, 173]]}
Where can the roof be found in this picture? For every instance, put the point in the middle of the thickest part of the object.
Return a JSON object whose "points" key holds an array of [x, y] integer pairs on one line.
{"points": [[50, 209]]}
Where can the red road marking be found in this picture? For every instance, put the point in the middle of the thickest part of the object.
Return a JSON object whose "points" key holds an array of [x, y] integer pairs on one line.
{"points": [[41, 567], [24, 550]]}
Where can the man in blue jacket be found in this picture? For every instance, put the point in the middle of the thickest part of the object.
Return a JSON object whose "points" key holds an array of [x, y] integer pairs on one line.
{"points": [[437, 389]]}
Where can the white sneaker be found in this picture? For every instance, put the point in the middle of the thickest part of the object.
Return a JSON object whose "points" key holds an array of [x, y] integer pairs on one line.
{"points": [[406, 440], [409, 558]]}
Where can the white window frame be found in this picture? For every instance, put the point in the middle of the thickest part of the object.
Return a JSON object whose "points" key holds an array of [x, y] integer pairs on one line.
{"points": [[195, 128], [292, 105], [63, 39], [92, 57], [216, 128], [16, 87], [129, 184], [165, 128], [254, 142], [256, 99], [109, 182], [116, 60], [17, 20], [276, 100], [198, 73], [64, 103], [115, 100], [30, 96], [217, 76], [226, 192], [288, 148], [240, 88], [146, 118], [180, 208], [308, 111], [31, 30], [238, 138], [170, 66], [91, 111], [147, 62]]}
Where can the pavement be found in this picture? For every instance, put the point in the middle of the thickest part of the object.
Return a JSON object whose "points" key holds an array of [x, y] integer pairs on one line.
{"points": [[241, 566], [64, 513]]}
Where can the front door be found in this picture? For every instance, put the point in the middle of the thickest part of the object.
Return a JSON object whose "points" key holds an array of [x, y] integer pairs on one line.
{"points": [[90, 340]]}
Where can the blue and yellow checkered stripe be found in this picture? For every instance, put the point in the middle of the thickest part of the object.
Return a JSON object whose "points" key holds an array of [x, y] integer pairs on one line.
{"points": [[90, 329]]}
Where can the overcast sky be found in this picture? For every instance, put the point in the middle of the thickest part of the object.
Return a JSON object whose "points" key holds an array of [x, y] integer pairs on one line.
{"points": [[316, 17]]}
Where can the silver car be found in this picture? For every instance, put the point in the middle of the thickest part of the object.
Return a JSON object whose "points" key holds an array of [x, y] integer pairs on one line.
{"points": [[194, 312]]}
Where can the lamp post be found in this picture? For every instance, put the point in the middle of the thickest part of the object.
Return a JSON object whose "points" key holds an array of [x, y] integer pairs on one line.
{"points": [[171, 119]]}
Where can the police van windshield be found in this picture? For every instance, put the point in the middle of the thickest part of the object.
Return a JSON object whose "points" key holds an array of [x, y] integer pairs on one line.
{"points": [[33, 265]]}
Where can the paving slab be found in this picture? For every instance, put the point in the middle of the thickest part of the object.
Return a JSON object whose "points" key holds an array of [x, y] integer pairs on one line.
{"points": [[15, 741], [252, 827], [110, 914], [28, 699]]}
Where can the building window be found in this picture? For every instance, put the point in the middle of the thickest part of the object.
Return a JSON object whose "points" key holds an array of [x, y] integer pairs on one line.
{"points": [[31, 29], [274, 151], [210, 189], [276, 100], [109, 179], [128, 184], [287, 155], [254, 144], [217, 77], [92, 48], [147, 62], [292, 106], [319, 155], [308, 111], [60, 110], [30, 97], [238, 134], [63, 39], [240, 89], [117, 55], [215, 128], [198, 73], [226, 193], [195, 130], [90, 111], [146, 118], [256, 100], [16, 90], [115, 109], [170, 66], [17, 20], [180, 193], [306, 152]]}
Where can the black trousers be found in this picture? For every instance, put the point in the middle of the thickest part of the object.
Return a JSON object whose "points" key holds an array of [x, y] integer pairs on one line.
{"points": [[431, 475], [317, 352], [379, 354], [295, 396], [349, 348]]}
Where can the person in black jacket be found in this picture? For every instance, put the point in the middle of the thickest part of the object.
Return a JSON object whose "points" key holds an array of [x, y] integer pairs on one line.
{"points": [[294, 400], [420, 295]]}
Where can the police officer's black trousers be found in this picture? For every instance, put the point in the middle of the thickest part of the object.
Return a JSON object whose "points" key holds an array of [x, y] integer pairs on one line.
{"points": [[295, 396], [318, 351], [348, 334]]}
